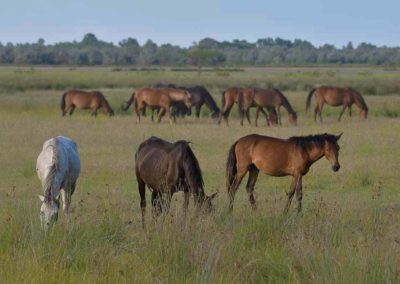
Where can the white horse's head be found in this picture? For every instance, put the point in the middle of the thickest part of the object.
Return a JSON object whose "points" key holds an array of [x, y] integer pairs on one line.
{"points": [[48, 213]]}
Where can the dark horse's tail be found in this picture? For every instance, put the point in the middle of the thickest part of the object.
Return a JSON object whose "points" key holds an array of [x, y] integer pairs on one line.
{"points": [[126, 105], [231, 168], [309, 97], [62, 105]]}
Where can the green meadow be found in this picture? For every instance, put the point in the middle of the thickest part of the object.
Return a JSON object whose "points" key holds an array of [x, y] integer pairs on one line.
{"points": [[348, 231]]}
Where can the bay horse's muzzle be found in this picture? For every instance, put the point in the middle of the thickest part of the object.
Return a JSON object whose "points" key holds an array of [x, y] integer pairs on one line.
{"points": [[336, 167]]}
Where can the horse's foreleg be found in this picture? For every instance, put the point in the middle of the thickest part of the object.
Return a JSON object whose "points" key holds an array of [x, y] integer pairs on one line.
{"points": [[253, 174], [341, 113], [278, 114], [198, 109], [266, 116], [248, 115], [299, 193], [290, 194], [257, 114], [156, 204], [71, 110]]}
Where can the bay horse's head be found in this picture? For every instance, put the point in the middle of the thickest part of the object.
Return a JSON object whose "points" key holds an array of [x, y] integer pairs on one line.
{"points": [[48, 213], [293, 118], [187, 99], [331, 150]]}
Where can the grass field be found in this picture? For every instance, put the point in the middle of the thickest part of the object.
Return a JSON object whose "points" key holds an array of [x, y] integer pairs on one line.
{"points": [[348, 232]]}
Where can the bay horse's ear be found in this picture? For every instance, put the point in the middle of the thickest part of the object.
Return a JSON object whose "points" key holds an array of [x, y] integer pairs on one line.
{"points": [[338, 137], [41, 197]]}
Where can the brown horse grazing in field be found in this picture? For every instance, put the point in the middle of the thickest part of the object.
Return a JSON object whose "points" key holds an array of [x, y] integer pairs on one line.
{"points": [[85, 100], [335, 96], [272, 98], [167, 168], [231, 96], [277, 157], [162, 98]]}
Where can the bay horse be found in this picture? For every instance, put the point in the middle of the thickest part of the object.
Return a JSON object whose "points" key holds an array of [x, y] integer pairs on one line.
{"points": [[167, 168], [231, 95], [162, 98], [335, 96], [277, 157], [58, 168], [85, 100], [272, 98], [199, 96]]}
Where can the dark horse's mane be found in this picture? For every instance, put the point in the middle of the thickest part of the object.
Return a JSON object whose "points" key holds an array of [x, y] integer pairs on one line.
{"points": [[191, 166], [310, 141], [208, 99]]}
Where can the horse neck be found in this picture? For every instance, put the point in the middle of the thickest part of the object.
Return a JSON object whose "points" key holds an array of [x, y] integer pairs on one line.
{"points": [[315, 154], [209, 101], [286, 104], [358, 101]]}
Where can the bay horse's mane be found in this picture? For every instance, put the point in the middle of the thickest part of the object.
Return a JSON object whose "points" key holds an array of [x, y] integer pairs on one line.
{"points": [[286, 103], [360, 98], [310, 141]]}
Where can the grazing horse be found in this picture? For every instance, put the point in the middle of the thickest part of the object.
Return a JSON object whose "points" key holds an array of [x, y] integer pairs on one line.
{"points": [[85, 100], [58, 168], [167, 168], [179, 108], [335, 96], [277, 157], [272, 98], [231, 96], [162, 98]]}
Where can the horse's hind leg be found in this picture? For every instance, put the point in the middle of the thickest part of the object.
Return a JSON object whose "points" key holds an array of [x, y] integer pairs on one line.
{"points": [[66, 199], [241, 172], [71, 110], [253, 174], [142, 193]]}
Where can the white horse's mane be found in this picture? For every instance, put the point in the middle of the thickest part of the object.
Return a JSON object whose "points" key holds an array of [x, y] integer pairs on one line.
{"points": [[49, 180]]}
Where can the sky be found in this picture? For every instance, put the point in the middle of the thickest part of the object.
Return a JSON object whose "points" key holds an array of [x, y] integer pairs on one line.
{"points": [[183, 22]]}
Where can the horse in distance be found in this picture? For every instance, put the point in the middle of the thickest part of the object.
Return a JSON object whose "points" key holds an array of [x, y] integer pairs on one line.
{"points": [[162, 98], [58, 168], [167, 168], [335, 96], [277, 157], [85, 100]]}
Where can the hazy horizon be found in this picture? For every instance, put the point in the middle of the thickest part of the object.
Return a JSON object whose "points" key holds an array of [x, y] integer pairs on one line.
{"points": [[181, 22]]}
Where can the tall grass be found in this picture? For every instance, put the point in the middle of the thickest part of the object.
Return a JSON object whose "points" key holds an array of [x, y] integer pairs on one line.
{"points": [[348, 231]]}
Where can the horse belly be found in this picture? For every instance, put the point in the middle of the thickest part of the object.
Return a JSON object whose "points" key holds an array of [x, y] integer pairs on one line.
{"points": [[334, 100]]}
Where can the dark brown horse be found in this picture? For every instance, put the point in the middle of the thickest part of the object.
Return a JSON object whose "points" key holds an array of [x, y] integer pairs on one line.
{"points": [[162, 98], [335, 96], [85, 100], [277, 157], [167, 168], [271, 98], [231, 96]]}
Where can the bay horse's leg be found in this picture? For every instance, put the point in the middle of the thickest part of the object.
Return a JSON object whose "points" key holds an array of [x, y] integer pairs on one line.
{"points": [[341, 113], [161, 113], [320, 107], [266, 116], [290, 194], [71, 110], [257, 114], [137, 111], [248, 116], [241, 172], [350, 110], [278, 114], [142, 193], [316, 110], [253, 174], [299, 193]]}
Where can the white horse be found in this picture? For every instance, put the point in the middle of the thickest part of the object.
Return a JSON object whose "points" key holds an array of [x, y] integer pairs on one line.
{"points": [[58, 168]]}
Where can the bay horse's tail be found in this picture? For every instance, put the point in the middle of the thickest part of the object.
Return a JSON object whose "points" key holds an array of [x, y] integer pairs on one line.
{"points": [[126, 105], [309, 97], [231, 168], [62, 105]]}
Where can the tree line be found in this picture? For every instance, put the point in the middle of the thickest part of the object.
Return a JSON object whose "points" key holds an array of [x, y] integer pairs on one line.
{"points": [[207, 52]]}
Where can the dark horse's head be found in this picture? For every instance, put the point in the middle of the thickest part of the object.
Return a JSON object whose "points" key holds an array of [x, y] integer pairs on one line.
{"points": [[194, 177]]}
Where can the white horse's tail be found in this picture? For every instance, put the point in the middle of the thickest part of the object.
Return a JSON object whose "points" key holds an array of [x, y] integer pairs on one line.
{"points": [[50, 178]]}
